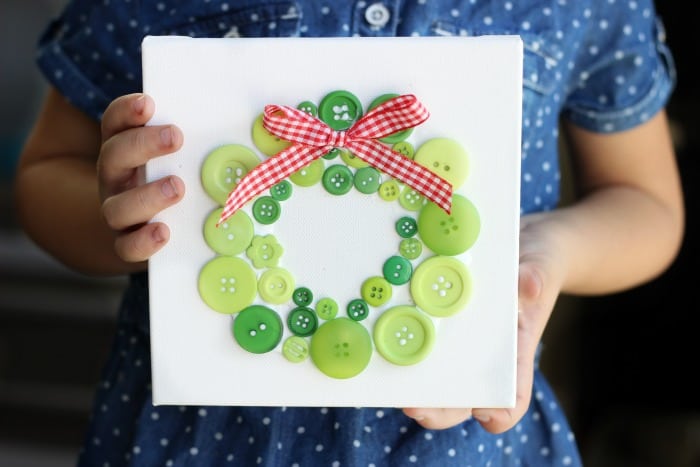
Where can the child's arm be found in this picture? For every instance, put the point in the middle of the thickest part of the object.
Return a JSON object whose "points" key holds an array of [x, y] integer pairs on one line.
{"points": [[79, 187], [625, 229]]}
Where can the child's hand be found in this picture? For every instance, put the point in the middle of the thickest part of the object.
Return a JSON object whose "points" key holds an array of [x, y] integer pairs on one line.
{"points": [[128, 203], [540, 276]]}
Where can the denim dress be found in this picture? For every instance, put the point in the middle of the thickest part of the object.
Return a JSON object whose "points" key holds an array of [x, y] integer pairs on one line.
{"points": [[601, 64]]}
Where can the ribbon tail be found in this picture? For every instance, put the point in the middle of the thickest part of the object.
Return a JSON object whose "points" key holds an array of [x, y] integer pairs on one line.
{"points": [[267, 174]]}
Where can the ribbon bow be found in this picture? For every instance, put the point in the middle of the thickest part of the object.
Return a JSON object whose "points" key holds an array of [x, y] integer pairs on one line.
{"points": [[314, 138]]}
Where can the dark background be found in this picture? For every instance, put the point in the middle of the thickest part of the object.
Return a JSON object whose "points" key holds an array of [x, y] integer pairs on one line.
{"points": [[624, 366]]}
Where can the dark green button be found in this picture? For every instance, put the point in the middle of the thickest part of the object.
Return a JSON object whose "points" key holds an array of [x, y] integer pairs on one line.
{"points": [[340, 109], [367, 180], [399, 135], [406, 227], [266, 210], [337, 179], [302, 321], [397, 270], [358, 309], [302, 296], [282, 191], [257, 329]]}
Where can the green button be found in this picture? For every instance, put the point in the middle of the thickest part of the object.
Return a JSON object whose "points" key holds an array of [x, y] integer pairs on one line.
{"points": [[308, 107], [224, 168], [357, 309], [282, 191], [333, 153], [341, 348], [399, 135], [446, 158], [257, 329], [266, 210], [340, 109], [302, 321], [295, 349], [410, 199], [264, 251], [265, 141], [406, 227], [449, 234], [309, 175], [231, 237], [441, 286], [276, 286], [303, 296], [410, 248], [337, 179], [352, 160], [326, 308], [389, 190], [367, 180], [227, 284], [405, 148], [403, 335], [397, 270], [376, 291]]}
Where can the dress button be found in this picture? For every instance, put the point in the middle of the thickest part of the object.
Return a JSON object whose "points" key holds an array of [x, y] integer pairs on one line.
{"points": [[377, 15]]}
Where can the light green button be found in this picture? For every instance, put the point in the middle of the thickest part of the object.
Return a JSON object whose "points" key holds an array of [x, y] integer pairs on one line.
{"points": [[224, 168], [309, 175], [327, 308], [410, 199], [389, 190], [341, 348], [410, 248], [376, 291], [403, 335], [446, 158], [405, 148], [227, 284], [264, 251], [231, 237], [352, 160], [276, 286], [295, 349], [265, 141], [441, 286], [449, 234]]}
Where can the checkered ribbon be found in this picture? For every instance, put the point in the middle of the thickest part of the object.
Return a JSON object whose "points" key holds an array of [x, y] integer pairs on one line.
{"points": [[314, 138]]}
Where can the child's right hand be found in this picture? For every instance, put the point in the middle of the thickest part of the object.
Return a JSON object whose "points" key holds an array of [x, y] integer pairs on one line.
{"points": [[128, 203]]}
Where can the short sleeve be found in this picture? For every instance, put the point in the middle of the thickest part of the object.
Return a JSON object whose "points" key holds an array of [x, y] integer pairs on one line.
{"points": [[625, 72]]}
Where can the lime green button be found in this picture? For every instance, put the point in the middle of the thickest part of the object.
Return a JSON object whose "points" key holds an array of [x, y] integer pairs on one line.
{"points": [[367, 180], [399, 135], [449, 234], [389, 190], [376, 291], [403, 335], [309, 175], [308, 107], [441, 286], [410, 248], [265, 141], [340, 109], [282, 191], [257, 329], [276, 286], [231, 237], [352, 160], [397, 270], [357, 309], [295, 349], [410, 199], [341, 348], [326, 308], [302, 321], [227, 284], [224, 168], [406, 227], [337, 179], [264, 251], [446, 158], [405, 148], [303, 296], [266, 210]]}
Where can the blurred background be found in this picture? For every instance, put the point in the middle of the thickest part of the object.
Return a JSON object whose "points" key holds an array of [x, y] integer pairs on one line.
{"points": [[623, 366]]}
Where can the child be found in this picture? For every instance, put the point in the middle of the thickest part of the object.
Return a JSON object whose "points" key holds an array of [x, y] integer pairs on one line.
{"points": [[599, 70]]}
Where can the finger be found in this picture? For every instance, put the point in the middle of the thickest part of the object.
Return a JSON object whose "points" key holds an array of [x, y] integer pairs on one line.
{"points": [[438, 419], [140, 204], [141, 244], [129, 111]]}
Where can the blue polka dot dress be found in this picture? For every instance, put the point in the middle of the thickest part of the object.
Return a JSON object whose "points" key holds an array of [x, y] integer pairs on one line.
{"points": [[601, 64]]}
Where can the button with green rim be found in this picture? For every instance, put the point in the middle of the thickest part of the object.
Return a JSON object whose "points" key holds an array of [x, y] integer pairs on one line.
{"points": [[352, 160], [257, 329], [295, 349], [403, 335], [397, 270], [389, 190], [227, 284], [309, 175], [264, 251], [276, 286], [341, 348], [449, 234], [302, 296], [326, 308], [410, 199], [333, 153], [265, 141], [340, 109], [231, 237], [337, 179], [405, 148], [446, 158], [308, 107], [410, 248], [224, 167], [357, 309], [399, 135], [281, 191], [441, 286], [376, 291], [367, 180], [302, 321], [406, 227], [266, 210]]}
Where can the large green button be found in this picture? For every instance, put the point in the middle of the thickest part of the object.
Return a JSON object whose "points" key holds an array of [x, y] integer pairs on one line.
{"points": [[224, 168], [227, 284], [403, 335], [376, 291], [337, 179], [302, 321], [340, 109], [295, 349], [266, 210], [441, 286], [399, 135], [446, 158], [449, 234], [341, 348], [397, 270], [265, 141], [276, 286], [231, 237], [257, 329], [367, 180], [309, 175]]}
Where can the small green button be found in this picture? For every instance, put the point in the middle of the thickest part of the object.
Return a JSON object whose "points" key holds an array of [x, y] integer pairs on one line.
{"points": [[231, 237], [295, 349], [327, 308], [410, 248], [337, 179], [397, 270], [446, 158], [266, 210], [302, 296], [389, 190], [341, 348], [441, 286], [399, 135], [257, 329], [449, 234], [367, 180], [405, 148], [309, 175], [340, 109], [227, 284], [264, 251], [352, 160], [265, 141], [410, 199], [403, 335], [357, 309], [376, 291], [302, 321], [308, 107], [224, 167], [276, 286], [333, 153], [406, 227], [282, 191]]}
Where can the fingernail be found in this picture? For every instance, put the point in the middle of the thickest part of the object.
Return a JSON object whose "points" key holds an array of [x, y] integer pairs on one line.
{"points": [[168, 188], [419, 418], [166, 136], [482, 417], [139, 104], [157, 235]]}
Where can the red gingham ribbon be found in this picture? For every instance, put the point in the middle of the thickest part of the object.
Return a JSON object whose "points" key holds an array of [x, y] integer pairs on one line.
{"points": [[314, 138]]}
